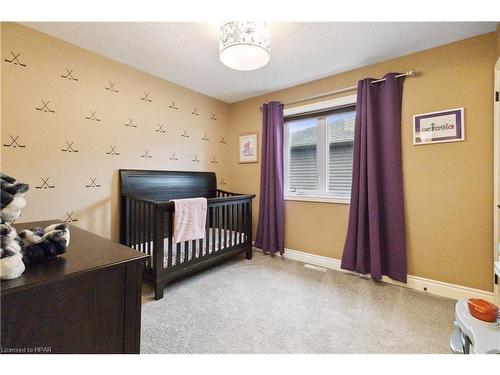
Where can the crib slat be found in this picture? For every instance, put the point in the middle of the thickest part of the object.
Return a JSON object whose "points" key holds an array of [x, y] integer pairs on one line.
{"points": [[150, 232], [151, 226], [177, 253], [147, 225], [238, 218], [138, 224], [244, 218], [231, 220], [215, 212], [186, 251], [131, 244], [235, 224], [226, 225], [134, 224], [127, 221], [207, 234], [169, 239], [249, 224], [221, 225], [142, 227]]}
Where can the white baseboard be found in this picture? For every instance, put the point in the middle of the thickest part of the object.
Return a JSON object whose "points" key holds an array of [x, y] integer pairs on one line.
{"points": [[414, 282]]}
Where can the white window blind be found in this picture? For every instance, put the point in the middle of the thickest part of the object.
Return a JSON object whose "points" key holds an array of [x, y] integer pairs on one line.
{"points": [[340, 144], [303, 160]]}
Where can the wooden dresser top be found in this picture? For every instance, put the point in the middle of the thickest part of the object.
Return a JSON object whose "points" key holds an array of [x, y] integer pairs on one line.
{"points": [[87, 252]]}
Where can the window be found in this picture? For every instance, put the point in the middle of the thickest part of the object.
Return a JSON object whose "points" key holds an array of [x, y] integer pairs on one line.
{"points": [[318, 154]]}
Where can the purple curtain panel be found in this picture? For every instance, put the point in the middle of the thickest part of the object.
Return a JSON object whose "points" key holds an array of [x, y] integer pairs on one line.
{"points": [[271, 227], [376, 239]]}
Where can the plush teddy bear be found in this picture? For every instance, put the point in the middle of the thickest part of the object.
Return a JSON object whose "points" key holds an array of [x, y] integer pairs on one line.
{"points": [[29, 246]]}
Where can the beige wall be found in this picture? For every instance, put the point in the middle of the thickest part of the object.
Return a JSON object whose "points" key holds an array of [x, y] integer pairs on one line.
{"points": [[447, 187], [45, 134]]}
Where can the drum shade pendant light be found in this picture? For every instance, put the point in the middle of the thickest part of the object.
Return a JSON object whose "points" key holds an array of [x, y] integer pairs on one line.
{"points": [[244, 45]]}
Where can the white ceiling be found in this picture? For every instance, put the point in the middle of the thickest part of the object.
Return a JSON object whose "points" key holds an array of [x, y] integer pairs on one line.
{"points": [[187, 53]]}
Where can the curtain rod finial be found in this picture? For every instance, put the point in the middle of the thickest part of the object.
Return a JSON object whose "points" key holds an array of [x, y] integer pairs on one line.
{"points": [[412, 73]]}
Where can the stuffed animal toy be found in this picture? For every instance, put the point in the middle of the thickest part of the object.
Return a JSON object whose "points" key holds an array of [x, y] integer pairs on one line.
{"points": [[30, 246], [12, 200], [41, 245], [11, 259]]}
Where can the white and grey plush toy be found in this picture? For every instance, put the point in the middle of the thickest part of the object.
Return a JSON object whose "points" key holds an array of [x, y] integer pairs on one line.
{"points": [[11, 259], [12, 201], [40, 245], [30, 246]]}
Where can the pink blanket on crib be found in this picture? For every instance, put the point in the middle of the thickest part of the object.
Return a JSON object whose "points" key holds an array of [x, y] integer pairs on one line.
{"points": [[190, 217]]}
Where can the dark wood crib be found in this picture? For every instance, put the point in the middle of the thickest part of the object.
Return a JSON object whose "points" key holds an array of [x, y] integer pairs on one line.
{"points": [[146, 222]]}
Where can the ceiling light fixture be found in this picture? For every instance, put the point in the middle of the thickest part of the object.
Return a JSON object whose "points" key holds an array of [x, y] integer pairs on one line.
{"points": [[244, 45]]}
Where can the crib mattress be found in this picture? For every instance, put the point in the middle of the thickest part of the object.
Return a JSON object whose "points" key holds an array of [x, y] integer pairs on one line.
{"points": [[232, 240]]}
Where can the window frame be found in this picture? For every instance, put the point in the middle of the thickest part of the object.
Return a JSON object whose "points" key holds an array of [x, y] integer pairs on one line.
{"points": [[322, 150]]}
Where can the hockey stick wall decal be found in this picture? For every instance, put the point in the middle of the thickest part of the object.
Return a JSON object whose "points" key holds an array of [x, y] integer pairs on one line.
{"points": [[15, 59], [45, 107], [112, 151], [93, 184], [146, 154], [69, 75], [130, 123], [69, 217], [45, 184], [14, 142], [111, 87], [146, 97], [70, 147], [93, 116]]}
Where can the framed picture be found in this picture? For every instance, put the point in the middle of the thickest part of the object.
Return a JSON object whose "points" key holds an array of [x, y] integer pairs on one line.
{"points": [[439, 127], [248, 148]]}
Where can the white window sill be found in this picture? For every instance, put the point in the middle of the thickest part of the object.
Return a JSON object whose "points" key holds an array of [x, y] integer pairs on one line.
{"points": [[319, 199]]}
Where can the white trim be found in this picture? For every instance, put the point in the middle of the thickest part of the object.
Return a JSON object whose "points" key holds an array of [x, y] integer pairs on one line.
{"points": [[422, 284], [319, 106], [313, 198]]}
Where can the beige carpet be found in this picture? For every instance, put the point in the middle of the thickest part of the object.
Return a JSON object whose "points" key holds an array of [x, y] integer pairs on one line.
{"points": [[274, 305]]}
